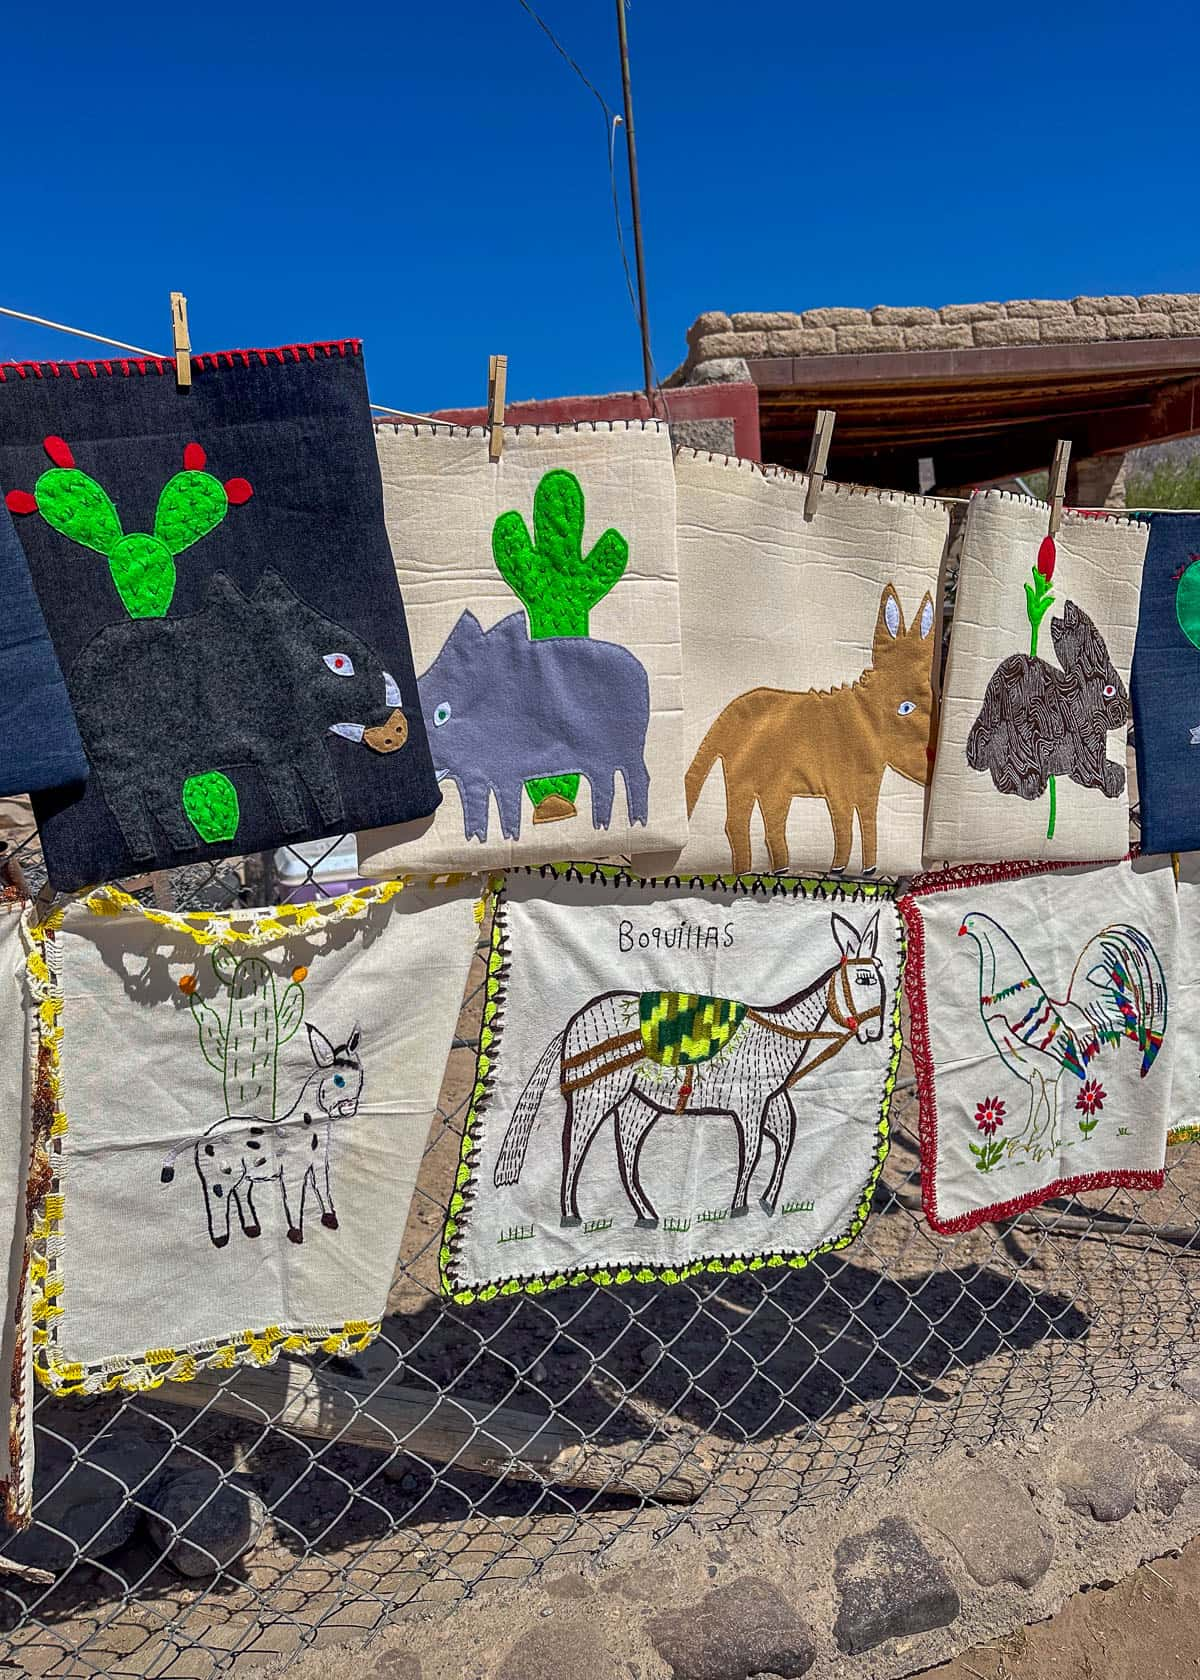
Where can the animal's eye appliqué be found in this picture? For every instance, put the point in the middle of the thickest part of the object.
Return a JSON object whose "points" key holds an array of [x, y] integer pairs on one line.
{"points": [[906, 707], [441, 714], [1109, 690], [339, 1079], [340, 664]]}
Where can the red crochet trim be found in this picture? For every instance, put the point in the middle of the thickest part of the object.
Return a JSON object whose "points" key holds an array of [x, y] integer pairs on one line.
{"points": [[209, 363], [927, 1124], [988, 874]]}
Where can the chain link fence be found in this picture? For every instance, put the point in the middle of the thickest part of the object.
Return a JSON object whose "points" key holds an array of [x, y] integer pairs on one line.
{"points": [[220, 1526]]}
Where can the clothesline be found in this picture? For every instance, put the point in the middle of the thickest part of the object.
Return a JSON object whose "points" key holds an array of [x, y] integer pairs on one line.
{"points": [[432, 419], [137, 350]]}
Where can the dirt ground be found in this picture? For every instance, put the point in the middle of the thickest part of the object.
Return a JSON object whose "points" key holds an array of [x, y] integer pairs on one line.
{"points": [[1147, 1627]]}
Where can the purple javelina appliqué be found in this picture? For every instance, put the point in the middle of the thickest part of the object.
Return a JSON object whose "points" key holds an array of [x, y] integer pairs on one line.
{"points": [[502, 709]]}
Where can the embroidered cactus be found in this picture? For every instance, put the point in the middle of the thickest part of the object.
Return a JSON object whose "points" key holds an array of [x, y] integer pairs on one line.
{"points": [[191, 504], [558, 585], [244, 1047], [210, 803]]}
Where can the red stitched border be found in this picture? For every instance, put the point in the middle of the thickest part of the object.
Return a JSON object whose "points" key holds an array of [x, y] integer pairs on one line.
{"points": [[923, 1070], [988, 874], [208, 363]]}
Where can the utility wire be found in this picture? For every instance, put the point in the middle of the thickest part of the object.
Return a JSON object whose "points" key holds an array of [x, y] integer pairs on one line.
{"points": [[611, 120]]}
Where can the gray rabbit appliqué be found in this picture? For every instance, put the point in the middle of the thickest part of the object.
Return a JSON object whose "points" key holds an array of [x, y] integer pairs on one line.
{"points": [[1037, 721], [502, 709]]}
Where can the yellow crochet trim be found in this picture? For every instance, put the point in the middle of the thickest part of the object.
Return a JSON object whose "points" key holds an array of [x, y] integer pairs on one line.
{"points": [[160, 1365]]}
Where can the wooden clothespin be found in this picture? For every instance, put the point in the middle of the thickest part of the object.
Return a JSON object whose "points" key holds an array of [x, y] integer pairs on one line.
{"points": [[818, 458], [1057, 488], [497, 380], [183, 343], [44, 903]]}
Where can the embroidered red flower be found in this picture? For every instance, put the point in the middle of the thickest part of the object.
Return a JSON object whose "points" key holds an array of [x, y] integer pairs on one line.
{"points": [[1091, 1098], [989, 1115]]}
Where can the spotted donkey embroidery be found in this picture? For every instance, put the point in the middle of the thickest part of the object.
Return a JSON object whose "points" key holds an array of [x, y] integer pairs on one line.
{"points": [[242, 1150], [254, 1143]]}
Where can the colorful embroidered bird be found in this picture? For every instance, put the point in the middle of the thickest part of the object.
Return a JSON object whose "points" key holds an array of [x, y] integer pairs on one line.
{"points": [[1117, 991]]}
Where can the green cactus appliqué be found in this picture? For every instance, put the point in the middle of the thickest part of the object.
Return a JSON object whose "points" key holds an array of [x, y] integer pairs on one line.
{"points": [[210, 803], [555, 581], [1187, 603], [142, 566], [549, 573], [244, 1045]]}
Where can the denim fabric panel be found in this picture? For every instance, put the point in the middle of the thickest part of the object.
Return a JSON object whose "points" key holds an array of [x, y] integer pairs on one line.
{"points": [[1166, 692], [39, 743], [230, 690]]}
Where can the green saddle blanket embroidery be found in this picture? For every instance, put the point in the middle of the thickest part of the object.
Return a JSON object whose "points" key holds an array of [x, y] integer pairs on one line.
{"points": [[680, 1028]]}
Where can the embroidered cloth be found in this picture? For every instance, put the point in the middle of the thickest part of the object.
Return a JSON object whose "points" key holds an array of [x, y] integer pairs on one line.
{"points": [[16, 1142], [1185, 1096], [1166, 685], [674, 1079], [1044, 1027], [808, 653], [241, 1105], [39, 743], [215, 575], [1035, 709], [543, 600]]}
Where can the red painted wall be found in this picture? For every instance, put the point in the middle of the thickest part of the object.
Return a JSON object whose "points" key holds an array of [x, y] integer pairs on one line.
{"points": [[738, 403]]}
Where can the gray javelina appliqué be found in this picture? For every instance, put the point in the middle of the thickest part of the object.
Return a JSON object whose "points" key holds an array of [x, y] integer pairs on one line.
{"points": [[261, 679], [502, 709], [1037, 721]]}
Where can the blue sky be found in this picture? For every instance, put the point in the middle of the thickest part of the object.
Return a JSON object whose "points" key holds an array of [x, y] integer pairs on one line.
{"points": [[432, 177]]}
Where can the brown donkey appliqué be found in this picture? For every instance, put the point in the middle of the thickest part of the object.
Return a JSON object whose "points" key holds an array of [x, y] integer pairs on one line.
{"points": [[830, 744]]}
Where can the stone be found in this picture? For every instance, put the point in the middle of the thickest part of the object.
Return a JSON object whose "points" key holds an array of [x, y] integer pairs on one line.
{"points": [[856, 341], [1184, 324], [729, 344], [771, 320], [713, 321], [889, 315], [802, 341], [992, 1524], [742, 1629], [1024, 331], [836, 318], [1074, 329], [938, 337], [1175, 1425], [889, 1584], [1188, 1382], [1105, 305], [955, 314], [201, 1522], [1138, 326], [722, 370], [554, 1649], [85, 1507], [715, 436], [1171, 303], [1039, 309], [1101, 1482]]}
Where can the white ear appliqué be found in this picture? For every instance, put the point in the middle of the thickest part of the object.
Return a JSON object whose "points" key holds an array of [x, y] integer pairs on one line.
{"points": [[891, 615]]}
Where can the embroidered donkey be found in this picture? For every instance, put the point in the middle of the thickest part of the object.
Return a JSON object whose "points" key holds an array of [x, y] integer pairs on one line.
{"points": [[830, 744], [616, 1058], [243, 1150]]}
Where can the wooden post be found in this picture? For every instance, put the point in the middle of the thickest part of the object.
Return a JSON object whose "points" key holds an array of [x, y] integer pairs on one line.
{"points": [[491, 1440]]}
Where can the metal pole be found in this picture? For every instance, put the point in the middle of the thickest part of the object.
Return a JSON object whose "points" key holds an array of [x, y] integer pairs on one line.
{"points": [[635, 205]]}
